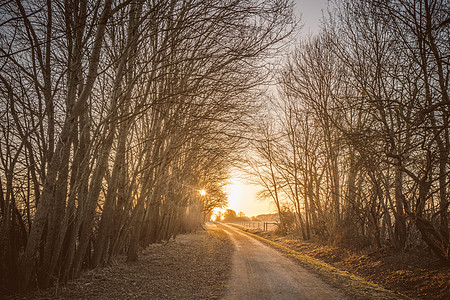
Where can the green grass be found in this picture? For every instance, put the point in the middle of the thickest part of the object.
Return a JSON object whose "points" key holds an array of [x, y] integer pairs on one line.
{"points": [[353, 285]]}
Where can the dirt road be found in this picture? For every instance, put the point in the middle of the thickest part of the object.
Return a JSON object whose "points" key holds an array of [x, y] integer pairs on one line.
{"points": [[260, 272]]}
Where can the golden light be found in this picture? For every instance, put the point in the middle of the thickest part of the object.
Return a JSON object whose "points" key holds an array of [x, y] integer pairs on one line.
{"points": [[202, 192], [242, 197], [217, 212], [236, 195]]}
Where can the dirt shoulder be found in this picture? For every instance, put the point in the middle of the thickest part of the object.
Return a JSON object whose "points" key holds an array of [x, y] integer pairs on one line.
{"points": [[405, 274], [194, 266]]}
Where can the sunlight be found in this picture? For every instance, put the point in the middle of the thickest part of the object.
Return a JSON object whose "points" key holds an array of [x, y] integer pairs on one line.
{"points": [[235, 191], [202, 192], [217, 212], [241, 198]]}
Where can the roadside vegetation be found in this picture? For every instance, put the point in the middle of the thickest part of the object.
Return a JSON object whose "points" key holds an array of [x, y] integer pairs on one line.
{"points": [[354, 147], [193, 266]]}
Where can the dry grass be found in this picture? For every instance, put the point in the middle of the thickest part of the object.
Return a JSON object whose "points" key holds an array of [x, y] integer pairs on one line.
{"points": [[194, 266], [354, 286]]}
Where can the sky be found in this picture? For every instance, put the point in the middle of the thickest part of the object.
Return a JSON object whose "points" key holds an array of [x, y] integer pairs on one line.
{"points": [[310, 13], [242, 195]]}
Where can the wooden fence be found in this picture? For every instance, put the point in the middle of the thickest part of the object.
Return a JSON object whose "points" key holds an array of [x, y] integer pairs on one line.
{"points": [[264, 226]]}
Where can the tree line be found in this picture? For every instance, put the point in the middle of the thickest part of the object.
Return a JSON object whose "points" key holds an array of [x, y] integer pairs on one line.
{"points": [[114, 114], [356, 139]]}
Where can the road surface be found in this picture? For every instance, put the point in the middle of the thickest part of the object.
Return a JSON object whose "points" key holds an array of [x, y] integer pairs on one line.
{"points": [[260, 272]]}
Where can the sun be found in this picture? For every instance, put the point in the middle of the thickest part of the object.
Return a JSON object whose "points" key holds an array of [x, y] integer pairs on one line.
{"points": [[202, 192]]}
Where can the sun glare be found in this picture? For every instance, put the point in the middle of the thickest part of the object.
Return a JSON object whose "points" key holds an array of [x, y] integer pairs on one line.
{"points": [[202, 192], [235, 194], [241, 198]]}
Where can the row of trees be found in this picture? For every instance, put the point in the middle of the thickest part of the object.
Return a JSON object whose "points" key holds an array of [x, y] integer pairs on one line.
{"points": [[230, 215], [357, 139], [113, 115]]}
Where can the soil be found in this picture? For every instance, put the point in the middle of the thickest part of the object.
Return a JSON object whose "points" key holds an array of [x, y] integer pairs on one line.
{"points": [[193, 266], [416, 275]]}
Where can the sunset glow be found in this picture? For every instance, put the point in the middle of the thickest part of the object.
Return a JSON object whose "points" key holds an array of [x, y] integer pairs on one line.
{"points": [[242, 198], [235, 194]]}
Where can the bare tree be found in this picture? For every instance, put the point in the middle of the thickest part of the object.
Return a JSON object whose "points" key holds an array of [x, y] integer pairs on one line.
{"points": [[110, 110], [374, 87]]}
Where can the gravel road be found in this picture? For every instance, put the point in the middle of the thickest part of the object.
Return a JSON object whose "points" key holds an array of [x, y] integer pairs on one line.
{"points": [[260, 272]]}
